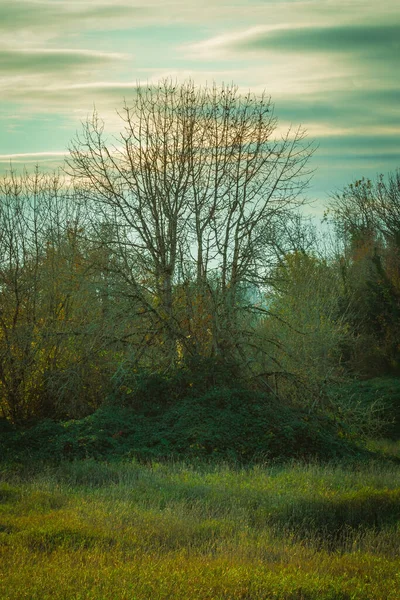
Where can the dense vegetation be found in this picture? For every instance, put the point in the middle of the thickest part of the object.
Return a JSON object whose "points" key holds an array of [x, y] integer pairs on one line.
{"points": [[174, 335], [174, 277]]}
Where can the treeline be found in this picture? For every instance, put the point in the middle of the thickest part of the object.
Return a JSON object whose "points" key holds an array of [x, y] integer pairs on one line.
{"points": [[179, 248]]}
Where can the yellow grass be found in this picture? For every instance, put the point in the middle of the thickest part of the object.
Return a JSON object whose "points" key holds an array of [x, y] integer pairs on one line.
{"points": [[109, 532]]}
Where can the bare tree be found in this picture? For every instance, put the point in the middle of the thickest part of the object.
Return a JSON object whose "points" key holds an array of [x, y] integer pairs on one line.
{"points": [[51, 328], [197, 186], [368, 210], [25, 216]]}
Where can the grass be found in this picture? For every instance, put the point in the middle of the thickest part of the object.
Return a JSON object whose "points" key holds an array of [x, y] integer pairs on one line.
{"points": [[90, 530], [385, 447]]}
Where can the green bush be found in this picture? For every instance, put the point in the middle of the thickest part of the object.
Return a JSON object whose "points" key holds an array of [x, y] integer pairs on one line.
{"points": [[230, 424], [5, 426], [245, 425], [154, 392], [372, 404]]}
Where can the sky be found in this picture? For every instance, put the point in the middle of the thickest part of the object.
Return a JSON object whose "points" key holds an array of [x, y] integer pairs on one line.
{"points": [[330, 66]]}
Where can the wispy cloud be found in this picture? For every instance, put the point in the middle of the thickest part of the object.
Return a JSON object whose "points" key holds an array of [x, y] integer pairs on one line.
{"points": [[382, 40], [368, 40], [31, 155], [48, 19], [37, 60], [329, 65], [48, 161]]}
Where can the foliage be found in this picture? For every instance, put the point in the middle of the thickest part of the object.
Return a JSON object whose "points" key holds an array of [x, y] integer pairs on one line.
{"points": [[222, 424], [374, 405], [173, 277], [54, 354], [244, 425], [152, 391], [367, 219], [303, 314]]}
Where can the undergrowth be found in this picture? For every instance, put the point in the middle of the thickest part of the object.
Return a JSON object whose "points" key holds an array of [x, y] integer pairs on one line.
{"points": [[236, 425]]}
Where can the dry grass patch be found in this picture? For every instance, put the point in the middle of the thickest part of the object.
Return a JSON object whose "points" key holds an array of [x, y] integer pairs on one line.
{"points": [[303, 532]]}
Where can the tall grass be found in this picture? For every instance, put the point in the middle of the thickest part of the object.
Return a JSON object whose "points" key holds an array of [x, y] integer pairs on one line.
{"points": [[88, 530]]}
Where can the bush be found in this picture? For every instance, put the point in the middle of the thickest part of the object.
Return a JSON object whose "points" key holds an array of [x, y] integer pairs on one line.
{"points": [[5, 426], [230, 424], [154, 392], [371, 406], [244, 425]]}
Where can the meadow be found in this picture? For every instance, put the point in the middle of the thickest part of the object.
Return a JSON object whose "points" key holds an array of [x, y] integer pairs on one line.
{"points": [[86, 529]]}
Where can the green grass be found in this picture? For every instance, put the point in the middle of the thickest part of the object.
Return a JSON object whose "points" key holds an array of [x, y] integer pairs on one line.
{"points": [[385, 447], [91, 530]]}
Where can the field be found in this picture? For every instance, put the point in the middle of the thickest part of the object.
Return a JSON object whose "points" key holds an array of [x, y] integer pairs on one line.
{"points": [[105, 531]]}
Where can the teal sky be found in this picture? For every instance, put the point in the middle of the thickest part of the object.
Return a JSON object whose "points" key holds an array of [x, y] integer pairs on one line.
{"points": [[331, 66]]}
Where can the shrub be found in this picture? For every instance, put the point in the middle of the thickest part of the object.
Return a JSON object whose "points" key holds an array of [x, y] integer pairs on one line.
{"points": [[153, 392], [370, 406], [224, 423], [245, 425]]}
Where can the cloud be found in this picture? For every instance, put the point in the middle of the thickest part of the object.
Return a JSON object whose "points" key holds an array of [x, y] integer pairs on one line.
{"points": [[48, 161], [40, 15], [327, 78], [341, 108], [76, 97], [30, 156], [33, 61], [34, 20], [330, 66], [65, 97], [370, 40], [28, 14]]}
